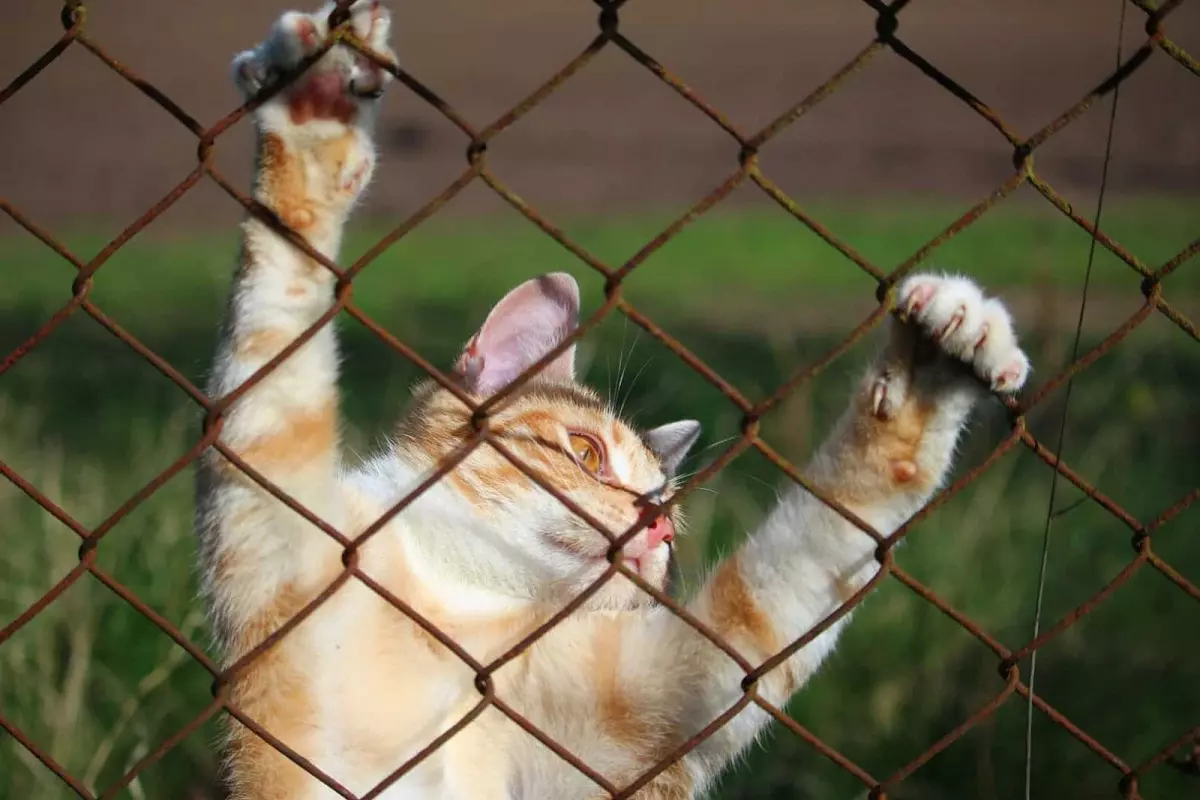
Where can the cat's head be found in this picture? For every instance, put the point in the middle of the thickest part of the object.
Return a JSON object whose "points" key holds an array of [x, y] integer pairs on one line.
{"points": [[563, 431]]}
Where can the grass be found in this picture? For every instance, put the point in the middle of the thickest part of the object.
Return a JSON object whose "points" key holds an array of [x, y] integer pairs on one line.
{"points": [[88, 422], [763, 255]]}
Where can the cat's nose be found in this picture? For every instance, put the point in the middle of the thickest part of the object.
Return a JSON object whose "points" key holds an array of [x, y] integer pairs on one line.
{"points": [[659, 531]]}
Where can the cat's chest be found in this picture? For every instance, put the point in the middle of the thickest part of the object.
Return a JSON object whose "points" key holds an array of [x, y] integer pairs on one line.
{"points": [[426, 782]]}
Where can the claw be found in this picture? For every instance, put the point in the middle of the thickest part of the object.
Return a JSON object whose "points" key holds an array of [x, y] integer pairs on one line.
{"points": [[953, 325], [367, 94], [881, 408], [878, 398], [356, 179], [1007, 379], [375, 16], [917, 298], [252, 75], [983, 336], [368, 81]]}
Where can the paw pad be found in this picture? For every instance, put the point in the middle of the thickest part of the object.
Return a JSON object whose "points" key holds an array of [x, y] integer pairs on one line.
{"points": [[904, 470], [342, 82], [307, 33]]}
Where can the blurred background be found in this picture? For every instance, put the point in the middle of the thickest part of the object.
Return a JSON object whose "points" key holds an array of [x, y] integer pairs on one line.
{"points": [[886, 163]]}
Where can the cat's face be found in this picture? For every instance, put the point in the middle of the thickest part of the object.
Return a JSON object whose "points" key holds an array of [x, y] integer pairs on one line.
{"points": [[562, 431]]}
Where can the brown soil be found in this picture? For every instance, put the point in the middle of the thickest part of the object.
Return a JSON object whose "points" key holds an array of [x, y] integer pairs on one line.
{"points": [[80, 143]]}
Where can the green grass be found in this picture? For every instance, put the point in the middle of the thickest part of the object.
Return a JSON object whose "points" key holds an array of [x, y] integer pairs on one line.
{"points": [[89, 422], [765, 256]]}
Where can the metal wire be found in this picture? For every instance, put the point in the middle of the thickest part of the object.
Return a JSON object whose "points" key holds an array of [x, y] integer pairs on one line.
{"points": [[1051, 514], [745, 168]]}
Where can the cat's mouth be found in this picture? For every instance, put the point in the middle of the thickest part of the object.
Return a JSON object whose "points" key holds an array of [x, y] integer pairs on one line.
{"points": [[637, 556]]}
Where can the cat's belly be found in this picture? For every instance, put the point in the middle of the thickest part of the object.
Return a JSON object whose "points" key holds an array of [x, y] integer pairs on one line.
{"points": [[423, 783], [433, 779]]}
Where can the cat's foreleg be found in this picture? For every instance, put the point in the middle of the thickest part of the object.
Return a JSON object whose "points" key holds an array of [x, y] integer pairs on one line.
{"points": [[888, 454], [314, 156]]}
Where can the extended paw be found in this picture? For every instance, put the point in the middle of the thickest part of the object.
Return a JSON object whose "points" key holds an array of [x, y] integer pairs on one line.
{"points": [[339, 85], [954, 315]]}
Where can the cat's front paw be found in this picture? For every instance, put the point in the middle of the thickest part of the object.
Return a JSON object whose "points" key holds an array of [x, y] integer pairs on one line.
{"points": [[953, 314], [341, 87], [316, 153]]}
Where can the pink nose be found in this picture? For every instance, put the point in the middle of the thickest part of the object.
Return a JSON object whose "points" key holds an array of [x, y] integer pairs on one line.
{"points": [[659, 531]]}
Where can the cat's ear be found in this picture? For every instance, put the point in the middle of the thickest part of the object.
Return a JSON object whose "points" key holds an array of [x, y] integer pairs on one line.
{"points": [[671, 443], [528, 323]]}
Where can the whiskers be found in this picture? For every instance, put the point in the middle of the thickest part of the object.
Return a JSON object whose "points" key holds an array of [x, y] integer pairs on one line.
{"points": [[616, 401], [683, 477]]}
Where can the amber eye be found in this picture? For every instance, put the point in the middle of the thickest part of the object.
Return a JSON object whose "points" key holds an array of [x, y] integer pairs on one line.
{"points": [[586, 452]]}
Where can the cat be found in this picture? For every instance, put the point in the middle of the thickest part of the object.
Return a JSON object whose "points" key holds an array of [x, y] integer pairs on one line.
{"points": [[486, 554]]}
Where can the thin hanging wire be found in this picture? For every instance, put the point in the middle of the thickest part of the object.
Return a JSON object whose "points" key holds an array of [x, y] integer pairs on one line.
{"points": [[1062, 423]]}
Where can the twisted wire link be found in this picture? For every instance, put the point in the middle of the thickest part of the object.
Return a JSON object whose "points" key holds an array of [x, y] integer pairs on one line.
{"points": [[745, 167]]}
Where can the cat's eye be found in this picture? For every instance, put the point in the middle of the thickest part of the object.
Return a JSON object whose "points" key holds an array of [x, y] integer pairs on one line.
{"points": [[587, 452]]}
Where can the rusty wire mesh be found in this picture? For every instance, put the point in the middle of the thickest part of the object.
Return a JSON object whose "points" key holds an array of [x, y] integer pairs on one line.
{"points": [[744, 151]]}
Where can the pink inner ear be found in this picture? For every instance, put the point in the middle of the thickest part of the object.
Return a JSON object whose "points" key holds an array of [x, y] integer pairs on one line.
{"points": [[523, 327]]}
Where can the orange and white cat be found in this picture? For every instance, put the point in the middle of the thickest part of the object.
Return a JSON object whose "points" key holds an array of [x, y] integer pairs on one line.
{"points": [[357, 688]]}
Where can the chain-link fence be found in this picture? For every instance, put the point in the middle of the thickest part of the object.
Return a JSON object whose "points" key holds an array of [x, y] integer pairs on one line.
{"points": [[744, 150]]}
